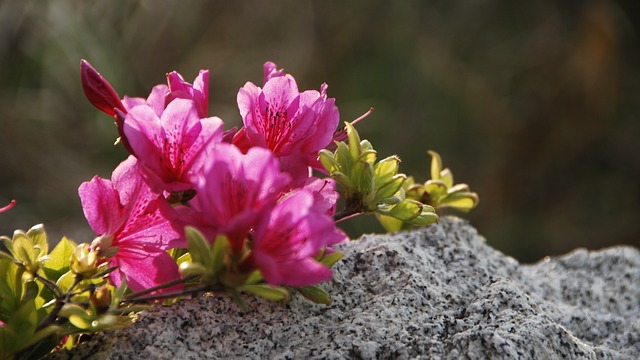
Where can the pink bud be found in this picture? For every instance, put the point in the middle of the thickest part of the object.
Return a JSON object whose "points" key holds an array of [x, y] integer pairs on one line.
{"points": [[98, 90]]}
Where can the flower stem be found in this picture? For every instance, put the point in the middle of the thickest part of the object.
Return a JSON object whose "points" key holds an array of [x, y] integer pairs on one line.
{"points": [[136, 295], [171, 295]]}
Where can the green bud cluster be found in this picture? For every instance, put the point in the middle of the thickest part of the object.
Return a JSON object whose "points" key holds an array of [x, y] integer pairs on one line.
{"points": [[373, 187], [438, 192]]}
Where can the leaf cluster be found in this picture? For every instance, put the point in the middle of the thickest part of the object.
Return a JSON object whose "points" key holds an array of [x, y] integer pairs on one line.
{"points": [[44, 298], [372, 187]]}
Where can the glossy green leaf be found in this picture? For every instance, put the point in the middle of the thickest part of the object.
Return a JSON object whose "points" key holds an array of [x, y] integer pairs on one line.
{"points": [[405, 210], [436, 189], [343, 157], [65, 281], [198, 246], [391, 187], [460, 201], [77, 315], [329, 260], [386, 169], [58, 263], [315, 294], [342, 179], [390, 224], [328, 161], [39, 239], [254, 278], [458, 188], [436, 165], [427, 217], [118, 293], [218, 253], [354, 141], [269, 292], [184, 258], [447, 177]]}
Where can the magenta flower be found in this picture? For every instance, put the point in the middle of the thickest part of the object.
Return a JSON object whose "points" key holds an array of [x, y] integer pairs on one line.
{"points": [[134, 226], [234, 189], [293, 125], [102, 95], [162, 95], [288, 237], [171, 147]]}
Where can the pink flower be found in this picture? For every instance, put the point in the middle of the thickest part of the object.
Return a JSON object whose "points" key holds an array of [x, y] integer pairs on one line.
{"points": [[162, 95], [293, 125], [102, 95], [289, 236], [134, 227], [234, 189], [171, 146]]}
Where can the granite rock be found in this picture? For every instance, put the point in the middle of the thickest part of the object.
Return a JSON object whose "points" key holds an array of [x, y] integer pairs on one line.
{"points": [[435, 293]]}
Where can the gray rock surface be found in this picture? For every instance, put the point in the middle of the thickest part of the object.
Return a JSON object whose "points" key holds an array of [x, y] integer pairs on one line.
{"points": [[435, 293]]}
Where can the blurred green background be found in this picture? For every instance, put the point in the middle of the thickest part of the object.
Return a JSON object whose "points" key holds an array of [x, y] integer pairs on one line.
{"points": [[535, 104]]}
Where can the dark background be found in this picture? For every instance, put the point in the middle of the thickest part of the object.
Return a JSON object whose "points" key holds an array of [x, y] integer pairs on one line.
{"points": [[532, 103]]}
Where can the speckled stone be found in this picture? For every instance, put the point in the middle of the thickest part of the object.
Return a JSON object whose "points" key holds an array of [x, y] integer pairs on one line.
{"points": [[435, 293]]}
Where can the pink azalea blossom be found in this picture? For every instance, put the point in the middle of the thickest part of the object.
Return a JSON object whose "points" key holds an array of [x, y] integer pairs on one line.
{"points": [[234, 189], [162, 95], [293, 125], [172, 146], [102, 95], [288, 237], [134, 226]]}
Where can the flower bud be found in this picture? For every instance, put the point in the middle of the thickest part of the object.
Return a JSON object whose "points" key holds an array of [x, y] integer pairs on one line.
{"points": [[101, 299], [98, 90], [84, 261]]}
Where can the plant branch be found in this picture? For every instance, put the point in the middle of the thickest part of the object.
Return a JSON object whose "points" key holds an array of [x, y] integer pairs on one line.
{"points": [[171, 295], [135, 295]]}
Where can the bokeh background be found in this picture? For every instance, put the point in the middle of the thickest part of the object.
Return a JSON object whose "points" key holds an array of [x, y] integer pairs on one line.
{"points": [[535, 104]]}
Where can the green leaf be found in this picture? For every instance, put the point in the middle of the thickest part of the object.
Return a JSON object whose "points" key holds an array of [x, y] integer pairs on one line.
{"points": [[118, 294], [269, 292], [436, 165], [427, 217], [10, 288], [354, 141], [458, 188], [436, 189], [404, 211], [65, 281], [218, 253], [447, 177], [315, 294], [460, 201], [184, 259], [23, 249], [329, 260], [39, 238], [386, 169], [77, 316], [390, 224], [59, 258], [343, 180], [198, 246], [254, 278], [390, 187], [328, 161], [343, 158]]}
